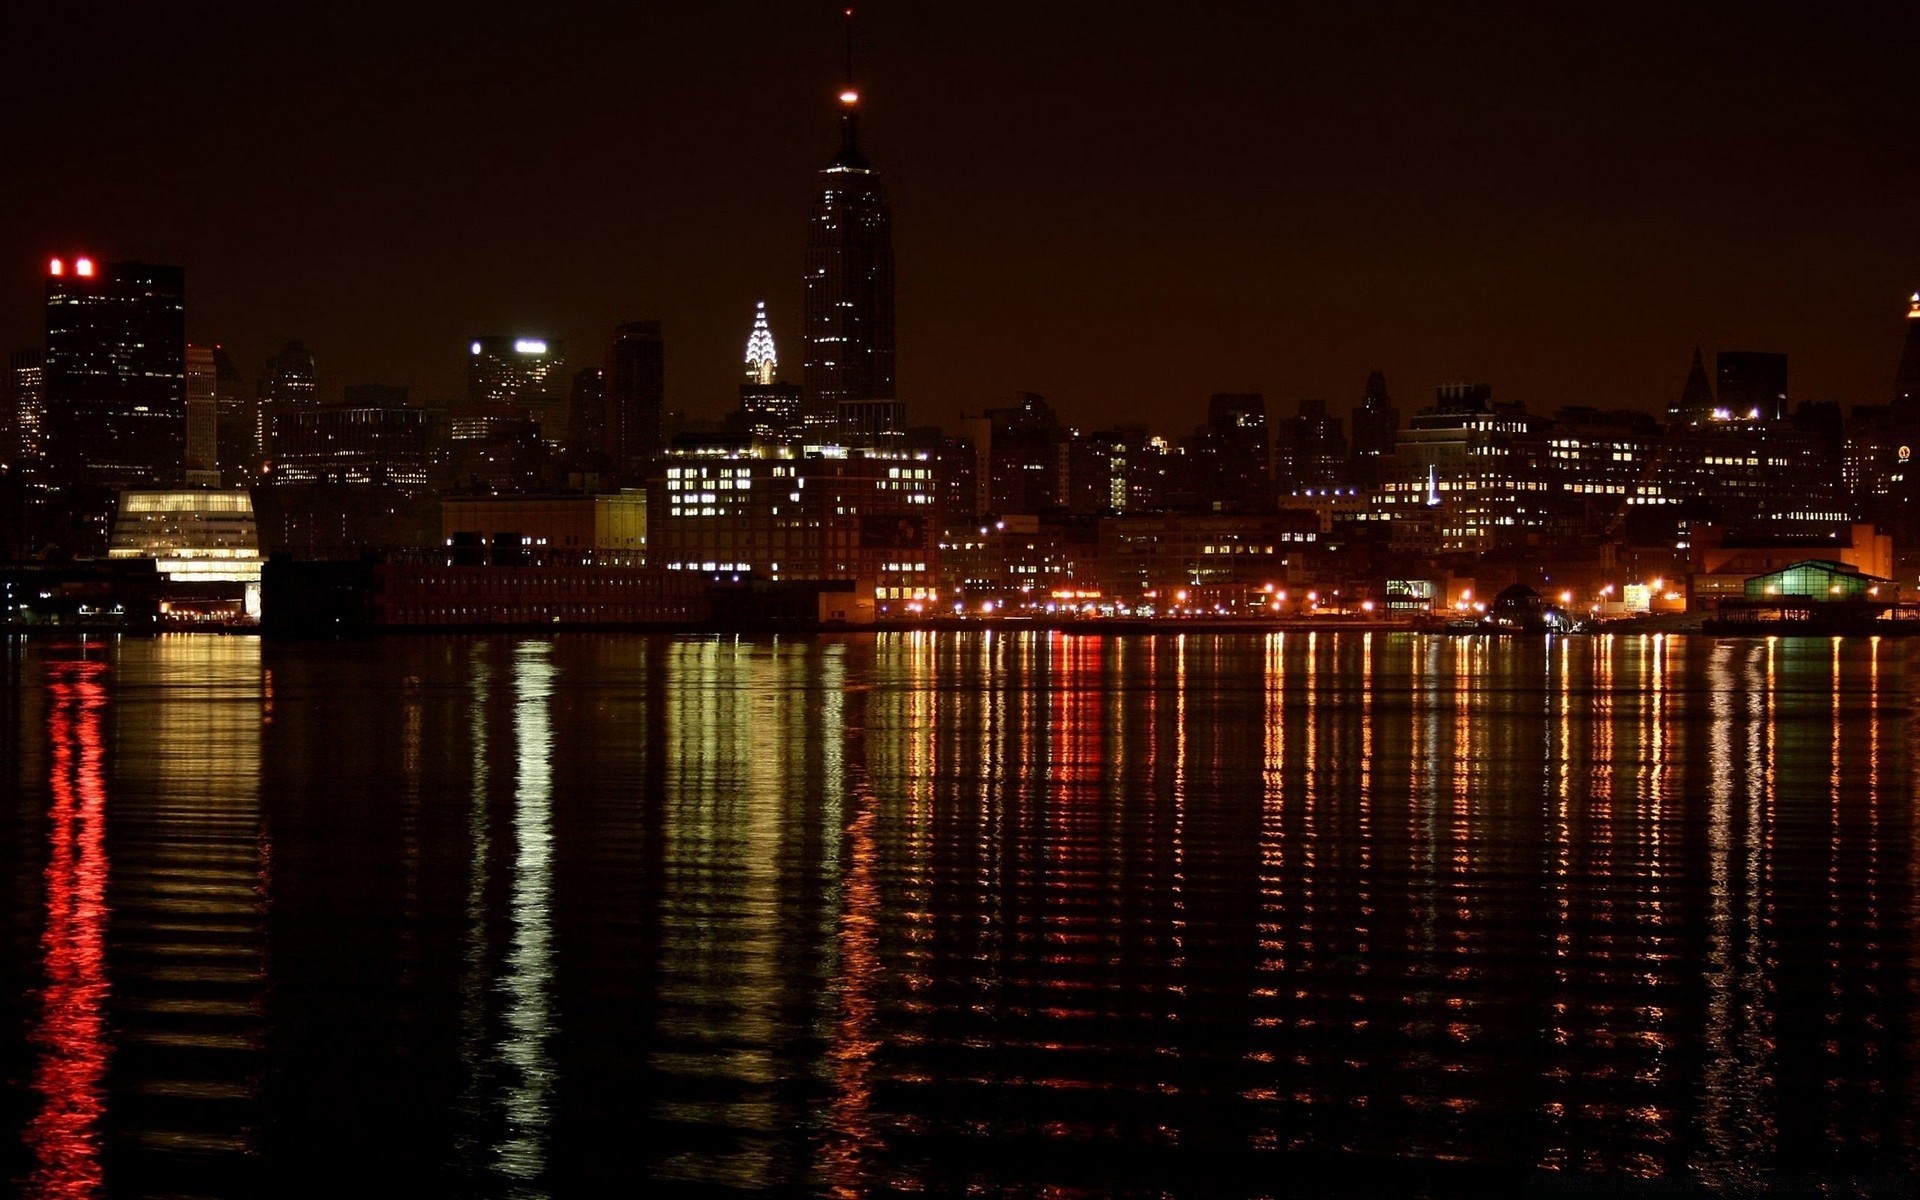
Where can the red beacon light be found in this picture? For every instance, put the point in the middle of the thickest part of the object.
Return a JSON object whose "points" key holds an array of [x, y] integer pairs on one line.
{"points": [[56, 267], [83, 267]]}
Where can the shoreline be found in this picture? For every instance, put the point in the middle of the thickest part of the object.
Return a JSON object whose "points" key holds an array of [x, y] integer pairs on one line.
{"points": [[1115, 627]]}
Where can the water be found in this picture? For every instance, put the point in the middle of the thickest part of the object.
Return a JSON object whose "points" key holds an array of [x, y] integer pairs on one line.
{"points": [[1029, 914]]}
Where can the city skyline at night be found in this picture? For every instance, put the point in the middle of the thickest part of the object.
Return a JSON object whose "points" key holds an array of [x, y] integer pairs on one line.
{"points": [[1000, 599]]}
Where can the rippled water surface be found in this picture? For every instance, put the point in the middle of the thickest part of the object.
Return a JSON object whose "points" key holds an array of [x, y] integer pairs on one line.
{"points": [[1036, 914]]}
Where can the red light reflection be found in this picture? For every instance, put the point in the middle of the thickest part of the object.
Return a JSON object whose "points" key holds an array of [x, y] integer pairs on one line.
{"points": [[71, 1033]]}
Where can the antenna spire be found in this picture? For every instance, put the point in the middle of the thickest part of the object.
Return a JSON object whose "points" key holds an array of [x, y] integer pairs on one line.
{"points": [[849, 16], [850, 157]]}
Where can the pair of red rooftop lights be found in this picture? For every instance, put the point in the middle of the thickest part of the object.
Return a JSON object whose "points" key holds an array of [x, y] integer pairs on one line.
{"points": [[83, 267]]}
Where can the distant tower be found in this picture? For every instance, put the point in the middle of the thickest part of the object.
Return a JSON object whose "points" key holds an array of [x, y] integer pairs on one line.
{"points": [[1376, 427], [587, 411], [203, 418], [289, 382], [1696, 399], [636, 393], [27, 389], [849, 278], [1906, 380], [761, 359], [521, 372], [1903, 434], [769, 409]]}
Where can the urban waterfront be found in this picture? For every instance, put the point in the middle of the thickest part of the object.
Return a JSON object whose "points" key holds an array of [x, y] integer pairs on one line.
{"points": [[1037, 913]]}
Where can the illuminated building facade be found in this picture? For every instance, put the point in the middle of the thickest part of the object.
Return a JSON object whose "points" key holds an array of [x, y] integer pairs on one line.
{"points": [[762, 360], [206, 545], [115, 374], [27, 400], [849, 281], [835, 513], [1020, 560], [769, 410], [1456, 481], [528, 373]]}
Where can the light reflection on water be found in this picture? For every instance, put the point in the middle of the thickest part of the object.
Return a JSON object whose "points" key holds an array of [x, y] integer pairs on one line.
{"points": [[1007, 911]]}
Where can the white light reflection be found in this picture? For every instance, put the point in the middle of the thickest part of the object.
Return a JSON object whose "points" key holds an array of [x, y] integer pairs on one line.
{"points": [[528, 979]]}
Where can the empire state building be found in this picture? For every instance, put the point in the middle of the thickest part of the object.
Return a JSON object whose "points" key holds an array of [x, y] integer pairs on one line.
{"points": [[849, 280]]}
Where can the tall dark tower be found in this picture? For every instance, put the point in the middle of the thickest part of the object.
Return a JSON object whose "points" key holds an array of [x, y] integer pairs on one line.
{"points": [[636, 391], [849, 278], [116, 379]]}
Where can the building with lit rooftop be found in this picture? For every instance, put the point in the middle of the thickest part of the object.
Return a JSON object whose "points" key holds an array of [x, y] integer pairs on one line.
{"points": [[115, 409], [527, 373], [769, 410]]}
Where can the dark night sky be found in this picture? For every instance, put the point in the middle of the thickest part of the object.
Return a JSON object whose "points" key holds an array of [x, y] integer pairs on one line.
{"points": [[1123, 206]]}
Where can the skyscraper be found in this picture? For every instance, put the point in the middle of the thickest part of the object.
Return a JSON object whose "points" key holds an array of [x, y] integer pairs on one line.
{"points": [[115, 375], [849, 278], [636, 394], [769, 409], [1376, 426], [288, 383], [521, 372], [238, 422], [27, 397], [587, 411], [762, 361], [203, 418]]}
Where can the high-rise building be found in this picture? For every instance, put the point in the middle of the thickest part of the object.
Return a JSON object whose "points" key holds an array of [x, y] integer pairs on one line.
{"points": [[1376, 423], [769, 409], [288, 383], [762, 360], [636, 394], [1310, 450], [587, 411], [115, 375], [27, 400], [1751, 385], [237, 422], [849, 278], [203, 418], [524, 372], [1229, 460]]}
